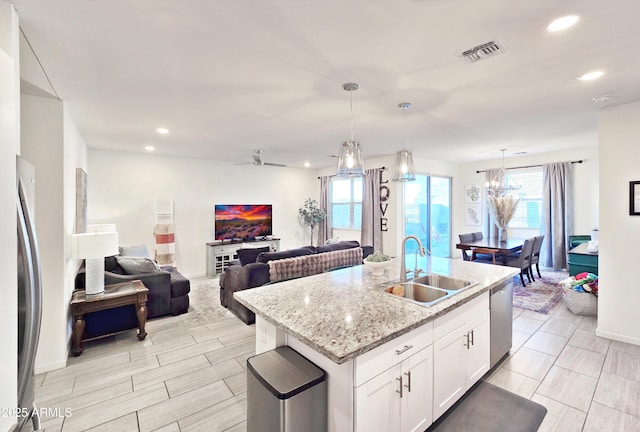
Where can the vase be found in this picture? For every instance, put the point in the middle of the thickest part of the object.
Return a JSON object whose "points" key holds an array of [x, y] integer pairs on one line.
{"points": [[502, 234], [594, 236]]}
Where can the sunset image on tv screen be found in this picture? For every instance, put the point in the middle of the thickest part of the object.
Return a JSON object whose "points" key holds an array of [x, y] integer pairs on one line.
{"points": [[242, 221]]}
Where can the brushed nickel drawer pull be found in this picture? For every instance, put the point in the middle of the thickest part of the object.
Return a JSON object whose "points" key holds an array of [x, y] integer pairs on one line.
{"points": [[472, 339], [399, 391], [403, 350]]}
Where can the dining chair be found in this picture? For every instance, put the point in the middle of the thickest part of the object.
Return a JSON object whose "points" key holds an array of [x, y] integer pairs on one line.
{"points": [[478, 236], [535, 255], [523, 259], [465, 238]]}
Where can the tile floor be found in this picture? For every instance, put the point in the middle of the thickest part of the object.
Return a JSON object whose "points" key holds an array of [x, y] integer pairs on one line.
{"points": [[188, 375]]}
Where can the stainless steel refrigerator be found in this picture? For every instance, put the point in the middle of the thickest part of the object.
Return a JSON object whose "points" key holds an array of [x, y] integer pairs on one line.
{"points": [[29, 294]]}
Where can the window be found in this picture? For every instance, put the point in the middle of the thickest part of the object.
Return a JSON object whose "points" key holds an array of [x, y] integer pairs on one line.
{"points": [[529, 211], [346, 203]]}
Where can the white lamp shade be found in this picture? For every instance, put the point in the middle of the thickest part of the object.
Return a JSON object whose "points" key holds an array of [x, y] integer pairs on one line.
{"points": [[101, 228], [350, 160], [95, 245]]}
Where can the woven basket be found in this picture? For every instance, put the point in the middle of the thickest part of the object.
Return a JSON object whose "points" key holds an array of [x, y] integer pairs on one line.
{"points": [[580, 303]]}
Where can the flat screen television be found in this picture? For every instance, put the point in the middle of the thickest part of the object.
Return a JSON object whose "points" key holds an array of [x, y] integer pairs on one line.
{"points": [[246, 221]]}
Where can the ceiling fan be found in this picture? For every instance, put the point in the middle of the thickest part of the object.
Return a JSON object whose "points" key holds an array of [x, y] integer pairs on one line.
{"points": [[257, 160]]}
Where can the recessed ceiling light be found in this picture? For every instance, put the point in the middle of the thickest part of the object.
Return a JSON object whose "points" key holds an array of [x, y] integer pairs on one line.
{"points": [[149, 148], [590, 76], [162, 130], [562, 23], [307, 164]]}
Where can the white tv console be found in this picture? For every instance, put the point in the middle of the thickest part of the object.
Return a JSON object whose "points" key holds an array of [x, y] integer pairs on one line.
{"points": [[220, 253]]}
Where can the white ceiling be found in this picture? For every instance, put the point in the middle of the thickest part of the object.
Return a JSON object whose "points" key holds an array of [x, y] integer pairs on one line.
{"points": [[228, 77]]}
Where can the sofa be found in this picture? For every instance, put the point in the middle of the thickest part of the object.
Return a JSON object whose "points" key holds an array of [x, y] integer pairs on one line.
{"points": [[168, 291], [260, 267]]}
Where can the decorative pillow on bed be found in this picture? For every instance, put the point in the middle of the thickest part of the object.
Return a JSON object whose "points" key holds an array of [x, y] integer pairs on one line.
{"points": [[137, 265], [134, 251], [249, 255]]}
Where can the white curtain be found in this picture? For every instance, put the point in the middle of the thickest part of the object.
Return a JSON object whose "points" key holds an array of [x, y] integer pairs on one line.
{"points": [[324, 227], [371, 234], [557, 213]]}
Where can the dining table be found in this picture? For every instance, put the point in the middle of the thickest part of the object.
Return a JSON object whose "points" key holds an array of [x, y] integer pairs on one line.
{"points": [[502, 248]]}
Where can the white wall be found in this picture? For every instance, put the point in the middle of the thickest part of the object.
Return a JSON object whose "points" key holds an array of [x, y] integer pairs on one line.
{"points": [[122, 188], [9, 147], [585, 182], [619, 289], [52, 143]]}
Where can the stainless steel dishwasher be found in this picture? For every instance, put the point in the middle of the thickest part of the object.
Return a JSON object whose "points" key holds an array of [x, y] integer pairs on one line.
{"points": [[501, 321]]}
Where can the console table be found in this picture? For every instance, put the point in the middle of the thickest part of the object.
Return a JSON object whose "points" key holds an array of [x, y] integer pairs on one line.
{"points": [[113, 296], [221, 253], [581, 260]]}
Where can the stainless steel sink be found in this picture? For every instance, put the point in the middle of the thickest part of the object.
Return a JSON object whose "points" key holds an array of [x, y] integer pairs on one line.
{"points": [[444, 282], [426, 290], [417, 292]]}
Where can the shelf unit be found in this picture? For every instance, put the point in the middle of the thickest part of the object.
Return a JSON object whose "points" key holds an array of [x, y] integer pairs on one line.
{"points": [[221, 253]]}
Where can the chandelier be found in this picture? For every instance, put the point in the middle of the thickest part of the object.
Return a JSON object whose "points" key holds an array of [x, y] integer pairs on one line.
{"points": [[502, 184], [403, 169], [350, 160]]}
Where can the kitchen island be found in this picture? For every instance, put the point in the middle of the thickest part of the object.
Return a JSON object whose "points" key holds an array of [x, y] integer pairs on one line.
{"points": [[368, 341]]}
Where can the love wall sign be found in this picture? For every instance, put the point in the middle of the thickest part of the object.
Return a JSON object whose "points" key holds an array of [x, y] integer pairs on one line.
{"points": [[385, 193]]}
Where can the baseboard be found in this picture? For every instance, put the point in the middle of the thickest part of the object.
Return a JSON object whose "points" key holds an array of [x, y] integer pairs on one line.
{"points": [[49, 367], [617, 337]]}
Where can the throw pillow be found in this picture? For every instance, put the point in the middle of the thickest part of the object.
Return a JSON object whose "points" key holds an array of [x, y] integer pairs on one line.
{"points": [[265, 257], [134, 251], [347, 244], [249, 255], [137, 265], [332, 240]]}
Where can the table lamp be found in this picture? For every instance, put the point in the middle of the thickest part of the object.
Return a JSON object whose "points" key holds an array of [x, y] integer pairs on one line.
{"points": [[93, 247]]}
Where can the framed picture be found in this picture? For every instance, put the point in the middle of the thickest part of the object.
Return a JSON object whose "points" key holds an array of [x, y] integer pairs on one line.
{"points": [[634, 198], [473, 215], [472, 193]]}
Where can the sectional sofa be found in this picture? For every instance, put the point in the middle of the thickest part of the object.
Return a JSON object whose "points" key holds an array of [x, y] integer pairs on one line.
{"points": [[259, 267]]}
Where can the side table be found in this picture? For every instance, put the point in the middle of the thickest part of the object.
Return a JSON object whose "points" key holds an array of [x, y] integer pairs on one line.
{"points": [[113, 296]]}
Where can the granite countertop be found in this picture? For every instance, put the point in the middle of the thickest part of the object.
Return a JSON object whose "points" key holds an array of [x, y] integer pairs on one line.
{"points": [[342, 315]]}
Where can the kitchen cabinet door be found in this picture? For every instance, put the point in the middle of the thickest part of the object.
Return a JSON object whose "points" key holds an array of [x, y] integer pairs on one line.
{"points": [[449, 361], [416, 413], [478, 352], [378, 402]]}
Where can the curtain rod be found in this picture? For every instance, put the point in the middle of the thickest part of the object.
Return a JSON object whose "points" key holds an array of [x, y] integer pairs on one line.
{"points": [[381, 169], [526, 166]]}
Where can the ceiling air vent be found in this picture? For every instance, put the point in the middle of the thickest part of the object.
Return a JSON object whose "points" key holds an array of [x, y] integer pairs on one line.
{"points": [[483, 51]]}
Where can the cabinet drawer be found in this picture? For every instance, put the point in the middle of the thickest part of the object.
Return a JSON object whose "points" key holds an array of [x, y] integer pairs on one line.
{"points": [[226, 250], [379, 359], [447, 323]]}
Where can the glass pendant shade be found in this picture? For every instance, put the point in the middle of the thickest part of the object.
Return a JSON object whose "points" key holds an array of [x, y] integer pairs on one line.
{"points": [[350, 160], [403, 169]]}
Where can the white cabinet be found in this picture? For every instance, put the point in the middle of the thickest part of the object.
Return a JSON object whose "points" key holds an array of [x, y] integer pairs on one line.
{"points": [[220, 254], [398, 398], [460, 352]]}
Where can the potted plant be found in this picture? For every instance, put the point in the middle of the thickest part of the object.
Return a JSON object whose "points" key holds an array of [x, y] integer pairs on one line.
{"points": [[311, 214]]}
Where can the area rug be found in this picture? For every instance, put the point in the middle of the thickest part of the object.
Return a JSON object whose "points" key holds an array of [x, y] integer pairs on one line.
{"points": [[488, 408], [542, 295]]}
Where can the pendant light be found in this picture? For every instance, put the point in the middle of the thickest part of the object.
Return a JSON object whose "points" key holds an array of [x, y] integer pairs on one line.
{"points": [[502, 184], [350, 160], [403, 169]]}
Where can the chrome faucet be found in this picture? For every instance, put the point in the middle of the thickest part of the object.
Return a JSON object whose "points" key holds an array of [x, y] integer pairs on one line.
{"points": [[403, 267]]}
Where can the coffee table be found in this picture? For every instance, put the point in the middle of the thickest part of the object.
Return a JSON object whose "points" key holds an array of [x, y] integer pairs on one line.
{"points": [[113, 296]]}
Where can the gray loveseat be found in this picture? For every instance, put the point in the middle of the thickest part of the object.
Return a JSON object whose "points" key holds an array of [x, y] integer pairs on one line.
{"points": [[254, 269]]}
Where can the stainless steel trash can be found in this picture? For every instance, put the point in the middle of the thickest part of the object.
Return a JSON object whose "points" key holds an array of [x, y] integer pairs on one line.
{"points": [[285, 393]]}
